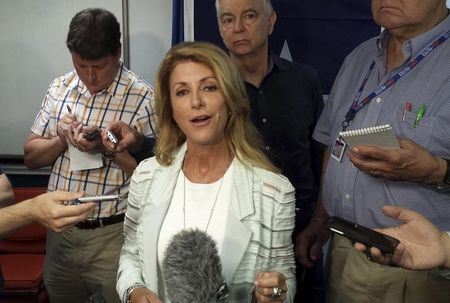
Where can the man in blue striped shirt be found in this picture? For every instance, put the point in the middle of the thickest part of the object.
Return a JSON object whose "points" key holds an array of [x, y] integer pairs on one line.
{"points": [[404, 75]]}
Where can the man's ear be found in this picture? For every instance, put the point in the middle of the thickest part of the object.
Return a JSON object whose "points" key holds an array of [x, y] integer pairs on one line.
{"points": [[272, 20], [220, 30], [119, 53]]}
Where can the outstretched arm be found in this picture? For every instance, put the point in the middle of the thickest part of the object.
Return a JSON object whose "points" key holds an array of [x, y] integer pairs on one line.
{"points": [[6, 191], [47, 209], [422, 245]]}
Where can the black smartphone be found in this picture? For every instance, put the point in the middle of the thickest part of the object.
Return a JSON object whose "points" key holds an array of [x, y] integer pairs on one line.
{"points": [[361, 234], [92, 135]]}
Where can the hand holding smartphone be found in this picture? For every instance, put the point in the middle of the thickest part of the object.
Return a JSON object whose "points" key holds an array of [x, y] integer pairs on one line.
{"points": [[361, 234], [97, 199]]}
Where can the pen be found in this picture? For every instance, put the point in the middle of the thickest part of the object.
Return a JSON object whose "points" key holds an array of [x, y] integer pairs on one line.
{"points": [[407, 109], [419, 115], [68, 108]]}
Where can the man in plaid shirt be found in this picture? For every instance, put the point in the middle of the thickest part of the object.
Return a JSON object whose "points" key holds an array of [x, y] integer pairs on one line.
{"points": [[100, 90]]}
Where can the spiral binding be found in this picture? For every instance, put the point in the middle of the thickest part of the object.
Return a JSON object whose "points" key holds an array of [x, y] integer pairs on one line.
{"points": [[365, 131]]}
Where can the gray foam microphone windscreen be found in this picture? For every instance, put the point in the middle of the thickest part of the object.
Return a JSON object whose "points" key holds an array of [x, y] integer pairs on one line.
{"points": [[192, 269]]}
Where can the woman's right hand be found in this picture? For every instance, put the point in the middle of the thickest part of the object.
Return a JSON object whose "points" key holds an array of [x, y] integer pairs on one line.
{"points": [[266, 284], [144, 295]]}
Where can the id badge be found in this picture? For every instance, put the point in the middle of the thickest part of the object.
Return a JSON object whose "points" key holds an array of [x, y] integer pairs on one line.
{"points": [[338, 149]]}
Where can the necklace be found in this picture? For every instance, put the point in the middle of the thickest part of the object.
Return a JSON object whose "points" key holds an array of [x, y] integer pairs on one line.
{"points": [[215, 200], [212, 208]]}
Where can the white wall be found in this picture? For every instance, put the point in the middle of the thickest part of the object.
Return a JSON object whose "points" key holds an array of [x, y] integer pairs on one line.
{"points": [[33, 53], [150, 35]]}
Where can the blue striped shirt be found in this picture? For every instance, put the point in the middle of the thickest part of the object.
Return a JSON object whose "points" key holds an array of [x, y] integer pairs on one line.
{"points": [[356, 196]]}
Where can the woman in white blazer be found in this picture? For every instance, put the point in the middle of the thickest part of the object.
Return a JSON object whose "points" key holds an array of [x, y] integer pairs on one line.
{"points": [[208, 173]]}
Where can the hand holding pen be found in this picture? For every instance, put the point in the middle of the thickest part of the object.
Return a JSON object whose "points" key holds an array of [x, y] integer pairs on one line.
{"points": [[84, 138], [63, 124]]}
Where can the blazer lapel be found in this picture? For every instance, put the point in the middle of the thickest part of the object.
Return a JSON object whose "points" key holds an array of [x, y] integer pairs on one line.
{"points": [[237, 235], [155, 210], [242, 192]]}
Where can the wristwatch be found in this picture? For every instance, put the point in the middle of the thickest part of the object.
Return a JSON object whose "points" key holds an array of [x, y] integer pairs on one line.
{"points": [[108, 155], [444, 186], [445, 272], [447, 172]]}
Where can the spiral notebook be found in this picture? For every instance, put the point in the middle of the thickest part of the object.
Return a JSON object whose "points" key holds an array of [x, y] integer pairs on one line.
{"points": [[380, 135]]}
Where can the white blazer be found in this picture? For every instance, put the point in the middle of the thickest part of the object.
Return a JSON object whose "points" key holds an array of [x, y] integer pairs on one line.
{"points": [[257, 235]]}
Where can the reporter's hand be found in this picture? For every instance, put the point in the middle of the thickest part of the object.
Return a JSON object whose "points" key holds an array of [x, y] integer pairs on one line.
{"points": [[94, 146], [264, 284], [63, 126], [144, 295], [73, 133], [309, 243], [129, 138], [48, 209], [422, 245], [411, 162]]}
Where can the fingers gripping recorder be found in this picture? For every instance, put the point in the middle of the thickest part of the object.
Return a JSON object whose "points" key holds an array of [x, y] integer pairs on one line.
{"points": [[114, 140], [361, 234], [98, 199]]}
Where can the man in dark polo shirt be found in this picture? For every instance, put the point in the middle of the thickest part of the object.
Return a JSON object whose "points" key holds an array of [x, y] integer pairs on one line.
{"points": [[285, 97]]}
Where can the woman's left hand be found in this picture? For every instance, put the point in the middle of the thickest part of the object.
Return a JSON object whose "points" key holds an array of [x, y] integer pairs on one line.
{"points": [[270, 286]]}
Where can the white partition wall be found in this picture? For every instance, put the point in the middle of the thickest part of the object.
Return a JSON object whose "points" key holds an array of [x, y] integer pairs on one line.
{"points": [[33, 53]]}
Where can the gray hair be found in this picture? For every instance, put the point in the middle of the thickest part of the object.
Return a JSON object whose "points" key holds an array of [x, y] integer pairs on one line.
{"points": [[267, 6]]}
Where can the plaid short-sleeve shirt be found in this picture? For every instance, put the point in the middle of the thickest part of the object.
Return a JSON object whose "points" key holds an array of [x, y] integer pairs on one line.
{"points": [[128, 99]]}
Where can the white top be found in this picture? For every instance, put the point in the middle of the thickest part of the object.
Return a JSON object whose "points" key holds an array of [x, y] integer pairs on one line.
{"points": [[261, 219], [199, 200]]}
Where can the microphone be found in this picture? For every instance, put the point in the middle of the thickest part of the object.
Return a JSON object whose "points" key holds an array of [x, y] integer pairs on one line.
{"points": [[192, 269]]}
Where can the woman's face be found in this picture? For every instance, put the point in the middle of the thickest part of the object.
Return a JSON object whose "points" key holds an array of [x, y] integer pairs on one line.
{"points": [[198, 104]]}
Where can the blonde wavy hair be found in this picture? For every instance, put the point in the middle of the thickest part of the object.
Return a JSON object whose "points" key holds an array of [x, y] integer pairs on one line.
{"points": [[241, 136]]}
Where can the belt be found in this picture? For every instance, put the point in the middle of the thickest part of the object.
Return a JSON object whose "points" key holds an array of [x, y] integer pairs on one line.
{"points": [[101, 222]]}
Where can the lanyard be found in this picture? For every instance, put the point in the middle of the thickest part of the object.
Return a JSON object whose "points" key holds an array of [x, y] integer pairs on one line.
{"points": [[356, 106]]}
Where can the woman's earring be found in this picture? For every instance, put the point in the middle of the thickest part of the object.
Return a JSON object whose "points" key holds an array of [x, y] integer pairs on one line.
{"points": [[229, 113]]}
